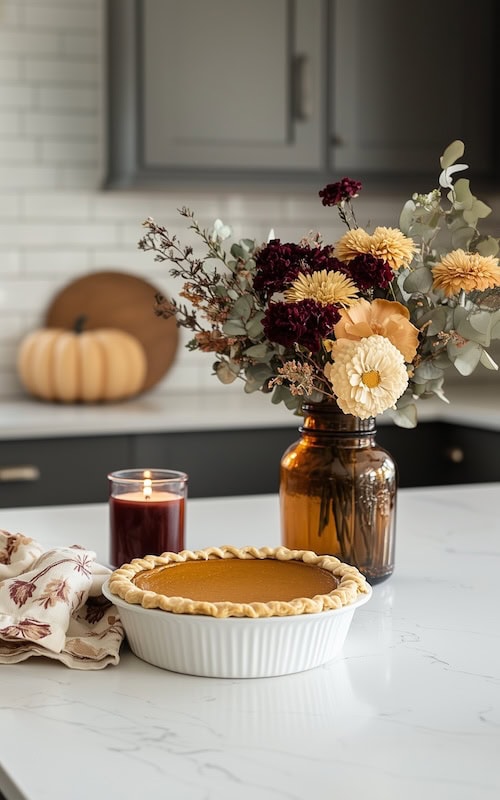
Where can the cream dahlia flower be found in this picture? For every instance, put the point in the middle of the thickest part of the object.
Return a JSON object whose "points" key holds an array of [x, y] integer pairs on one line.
{"points": [[368, 376], [327, 288], [468, 271], [384, 317], [388, 244]]}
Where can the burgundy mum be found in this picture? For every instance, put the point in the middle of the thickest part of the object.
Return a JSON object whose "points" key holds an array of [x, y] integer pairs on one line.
{"points": [[335, 193], [305, 323], [369, 272]]}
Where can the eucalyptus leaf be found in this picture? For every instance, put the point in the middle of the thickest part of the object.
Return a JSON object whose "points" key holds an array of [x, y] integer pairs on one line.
{"points": [[406, 216], [254, 326], [465, 359], [479, 210], [237, 251], [256, 351], [462, 237], [488, 246], [234, 327], [487, 361], [282, 394], [242, 308], [258, 373], [426, 371], [454, 151], [224, 372], [481, 321], [405, 417], [420, 280], [462, 196], [437, 319]]}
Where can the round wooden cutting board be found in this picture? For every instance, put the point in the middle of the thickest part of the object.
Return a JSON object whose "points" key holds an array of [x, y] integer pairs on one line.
{"points": [[119, 300]]}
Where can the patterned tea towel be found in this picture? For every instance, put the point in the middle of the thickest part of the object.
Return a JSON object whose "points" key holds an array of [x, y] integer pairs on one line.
{"points": [[51, 605]]}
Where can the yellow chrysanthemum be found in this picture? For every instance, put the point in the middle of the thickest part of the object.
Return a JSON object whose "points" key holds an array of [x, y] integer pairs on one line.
{"points": [[388, 244], [351, 244], [392, 246], [468, 271], [327, 288], [368, 376]]}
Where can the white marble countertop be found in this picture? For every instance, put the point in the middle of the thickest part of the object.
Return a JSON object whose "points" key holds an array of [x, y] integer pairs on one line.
{"points": [[158, 413], [410, 709]]}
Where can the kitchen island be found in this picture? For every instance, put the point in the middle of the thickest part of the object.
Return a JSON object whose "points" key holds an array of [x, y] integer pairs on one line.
{"points": [[229, 442], [411, 708]]}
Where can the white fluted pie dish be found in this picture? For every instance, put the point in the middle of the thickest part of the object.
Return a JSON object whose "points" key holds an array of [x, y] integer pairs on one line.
{"points": [[279, 625]]}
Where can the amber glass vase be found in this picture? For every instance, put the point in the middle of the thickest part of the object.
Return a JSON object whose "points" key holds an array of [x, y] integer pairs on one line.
{"points": [[338, 491]]}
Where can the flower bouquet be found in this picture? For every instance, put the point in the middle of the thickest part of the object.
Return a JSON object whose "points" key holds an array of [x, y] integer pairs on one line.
{"points": [[340, 333], [373, 320]]}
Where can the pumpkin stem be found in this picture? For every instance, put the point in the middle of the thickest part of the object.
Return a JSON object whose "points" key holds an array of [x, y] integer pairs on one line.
{"points": [[79, 323]]}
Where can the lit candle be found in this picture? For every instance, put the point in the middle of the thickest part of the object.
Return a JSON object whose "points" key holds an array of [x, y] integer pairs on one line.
{"points": [[147, 510]]}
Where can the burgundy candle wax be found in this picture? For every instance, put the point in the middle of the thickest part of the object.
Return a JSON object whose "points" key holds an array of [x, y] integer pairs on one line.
{"points": [[146, 514]]}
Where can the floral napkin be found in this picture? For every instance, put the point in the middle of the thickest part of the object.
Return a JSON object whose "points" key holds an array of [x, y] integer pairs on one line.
{"points": [[51, 605]]}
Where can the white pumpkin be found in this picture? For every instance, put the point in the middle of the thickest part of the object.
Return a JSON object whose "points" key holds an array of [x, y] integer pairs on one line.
{"points": [[81, 366]]}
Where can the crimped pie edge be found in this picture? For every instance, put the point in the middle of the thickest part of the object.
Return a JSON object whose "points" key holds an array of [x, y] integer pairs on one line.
{"points": [[352, 584]]}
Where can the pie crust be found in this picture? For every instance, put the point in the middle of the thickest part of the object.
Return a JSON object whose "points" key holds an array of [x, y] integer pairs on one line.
{"points": [[348, 583]]}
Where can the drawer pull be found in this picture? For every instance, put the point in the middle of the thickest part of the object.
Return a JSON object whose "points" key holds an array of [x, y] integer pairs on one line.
{"points": [[25, 472], [456, 455]]}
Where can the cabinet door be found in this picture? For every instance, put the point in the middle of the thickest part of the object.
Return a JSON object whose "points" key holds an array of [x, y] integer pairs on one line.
{"points": [[41, 472], [408, 80], [221, 88]]}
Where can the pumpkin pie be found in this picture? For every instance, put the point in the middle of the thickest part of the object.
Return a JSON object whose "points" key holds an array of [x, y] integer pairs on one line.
{"points": [[239, 582]]}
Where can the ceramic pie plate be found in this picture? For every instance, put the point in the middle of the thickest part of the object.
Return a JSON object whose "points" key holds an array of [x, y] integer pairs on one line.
{"points": [[235, 646]]}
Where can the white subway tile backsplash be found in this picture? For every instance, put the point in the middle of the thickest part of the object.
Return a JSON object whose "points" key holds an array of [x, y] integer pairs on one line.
{"points": [[27, 177], [10, 68], [76, 98], [62, 233], [64, 126], [15, 95], [53, 16], [25, 42], [10, 203], [79, 44], [10, 262], [18, 149], [55, 70], [56, 205], [10, 122], [74, 152], [22, 295], [55, 263]]}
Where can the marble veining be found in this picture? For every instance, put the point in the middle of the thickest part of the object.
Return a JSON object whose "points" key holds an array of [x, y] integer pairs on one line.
{"points": [[411, 708]]}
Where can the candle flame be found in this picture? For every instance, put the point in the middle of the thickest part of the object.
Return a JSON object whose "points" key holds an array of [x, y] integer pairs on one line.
{"points": [[147, 488]]}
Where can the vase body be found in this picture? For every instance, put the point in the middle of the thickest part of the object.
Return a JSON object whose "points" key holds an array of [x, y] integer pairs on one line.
{"points": [[338, 491]]}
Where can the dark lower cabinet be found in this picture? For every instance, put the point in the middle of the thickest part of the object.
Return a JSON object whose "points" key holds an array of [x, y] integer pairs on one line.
{"points": [[73, 470]]}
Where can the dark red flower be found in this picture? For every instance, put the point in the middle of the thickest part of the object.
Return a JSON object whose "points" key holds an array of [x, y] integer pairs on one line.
{"points": [[335, 193], [305, 323], [369, 272]]}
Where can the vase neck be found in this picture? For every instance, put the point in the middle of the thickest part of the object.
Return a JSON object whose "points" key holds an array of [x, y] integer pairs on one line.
{"points": [[328, 418]]}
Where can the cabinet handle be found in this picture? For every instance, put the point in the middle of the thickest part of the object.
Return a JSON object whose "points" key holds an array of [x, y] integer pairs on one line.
{"points": [[301, 88], [455, 454], [25, 472]]}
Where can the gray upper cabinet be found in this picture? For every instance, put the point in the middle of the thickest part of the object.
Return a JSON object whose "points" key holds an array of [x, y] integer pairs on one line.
{"points": [[232, 90], [408, 80], [218, 88]]}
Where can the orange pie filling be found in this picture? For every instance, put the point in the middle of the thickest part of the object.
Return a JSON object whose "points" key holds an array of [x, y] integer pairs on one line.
{"points": [[238, 581], [232, 582]]}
